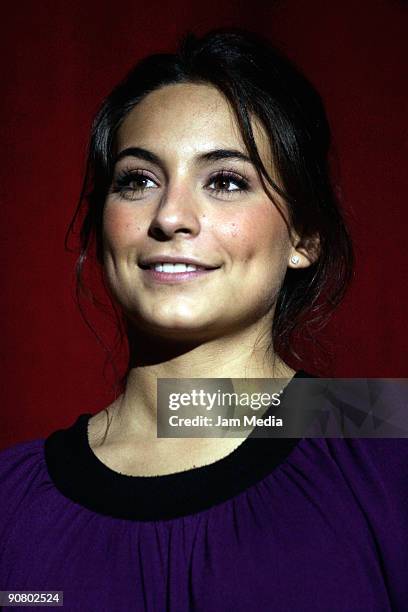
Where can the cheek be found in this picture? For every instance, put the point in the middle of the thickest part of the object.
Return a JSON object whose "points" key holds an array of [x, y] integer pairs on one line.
{"points": [[120, 227], [254, 233]]}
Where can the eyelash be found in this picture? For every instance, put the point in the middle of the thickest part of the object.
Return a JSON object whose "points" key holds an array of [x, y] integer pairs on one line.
{"points": [[229, 176], [122, 183], [124, 179]]}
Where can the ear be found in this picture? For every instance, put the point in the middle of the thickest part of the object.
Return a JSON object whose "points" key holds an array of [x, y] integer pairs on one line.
{"points": [[304, 251]]}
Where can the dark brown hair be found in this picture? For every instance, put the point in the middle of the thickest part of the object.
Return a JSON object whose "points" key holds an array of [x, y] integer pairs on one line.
{"points": [[257, 80]]}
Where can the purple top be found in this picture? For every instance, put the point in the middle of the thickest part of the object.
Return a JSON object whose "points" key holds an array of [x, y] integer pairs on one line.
{"points": [[279, 524]]}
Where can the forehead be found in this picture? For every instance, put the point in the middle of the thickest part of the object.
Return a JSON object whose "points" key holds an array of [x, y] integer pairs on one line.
{"points": [[189, 118]]}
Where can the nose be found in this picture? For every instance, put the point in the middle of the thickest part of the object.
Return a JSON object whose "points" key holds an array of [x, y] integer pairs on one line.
{"points": [[177, 212]]}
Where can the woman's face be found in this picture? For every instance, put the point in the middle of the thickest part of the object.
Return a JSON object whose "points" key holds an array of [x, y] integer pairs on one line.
{"points": [[184, 188]]}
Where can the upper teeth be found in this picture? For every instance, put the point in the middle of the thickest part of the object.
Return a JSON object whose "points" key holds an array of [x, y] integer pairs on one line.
{"points": [[177, 267]]}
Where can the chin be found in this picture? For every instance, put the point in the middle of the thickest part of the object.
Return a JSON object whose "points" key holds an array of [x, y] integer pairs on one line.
{"points": [[177, 328]]}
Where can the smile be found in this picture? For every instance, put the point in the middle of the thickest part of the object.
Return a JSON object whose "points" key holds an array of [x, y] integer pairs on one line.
{"points": [[170, 273], [175, 268]]}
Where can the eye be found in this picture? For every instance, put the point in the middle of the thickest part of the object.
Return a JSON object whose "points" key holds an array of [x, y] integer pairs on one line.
{"points": [[131, 184], [227, 183]]}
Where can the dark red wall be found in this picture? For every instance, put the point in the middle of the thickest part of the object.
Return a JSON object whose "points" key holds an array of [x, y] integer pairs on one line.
{"points": [[60, 58]]}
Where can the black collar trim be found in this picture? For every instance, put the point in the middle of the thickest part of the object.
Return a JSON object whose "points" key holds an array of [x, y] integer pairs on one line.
{"points": [[80, 476]]}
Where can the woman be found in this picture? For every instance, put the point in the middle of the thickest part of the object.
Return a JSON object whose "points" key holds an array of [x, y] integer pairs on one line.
{"points": [[209, 203]]}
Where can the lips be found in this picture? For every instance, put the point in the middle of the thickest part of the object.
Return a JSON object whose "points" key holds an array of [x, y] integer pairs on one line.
{"points": [[174, 273], [175, 267], [173, 262]]}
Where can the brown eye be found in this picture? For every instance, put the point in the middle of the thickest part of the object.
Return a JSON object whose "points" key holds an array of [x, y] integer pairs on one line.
{"points": [[141, 182], [130, 184], [226, 182]]}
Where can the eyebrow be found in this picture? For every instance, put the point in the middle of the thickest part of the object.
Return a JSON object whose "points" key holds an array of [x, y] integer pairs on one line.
{"points": [[202, 158]]}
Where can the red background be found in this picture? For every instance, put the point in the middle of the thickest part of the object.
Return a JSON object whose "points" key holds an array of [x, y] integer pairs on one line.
{"points": [[58, 61]]}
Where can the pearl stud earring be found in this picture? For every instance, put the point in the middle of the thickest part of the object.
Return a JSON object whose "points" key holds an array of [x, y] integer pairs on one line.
{"points": [[295, 259]]}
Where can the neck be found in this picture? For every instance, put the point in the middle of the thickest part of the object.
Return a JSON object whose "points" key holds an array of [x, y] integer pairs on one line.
{"points": [[238, 355]]}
